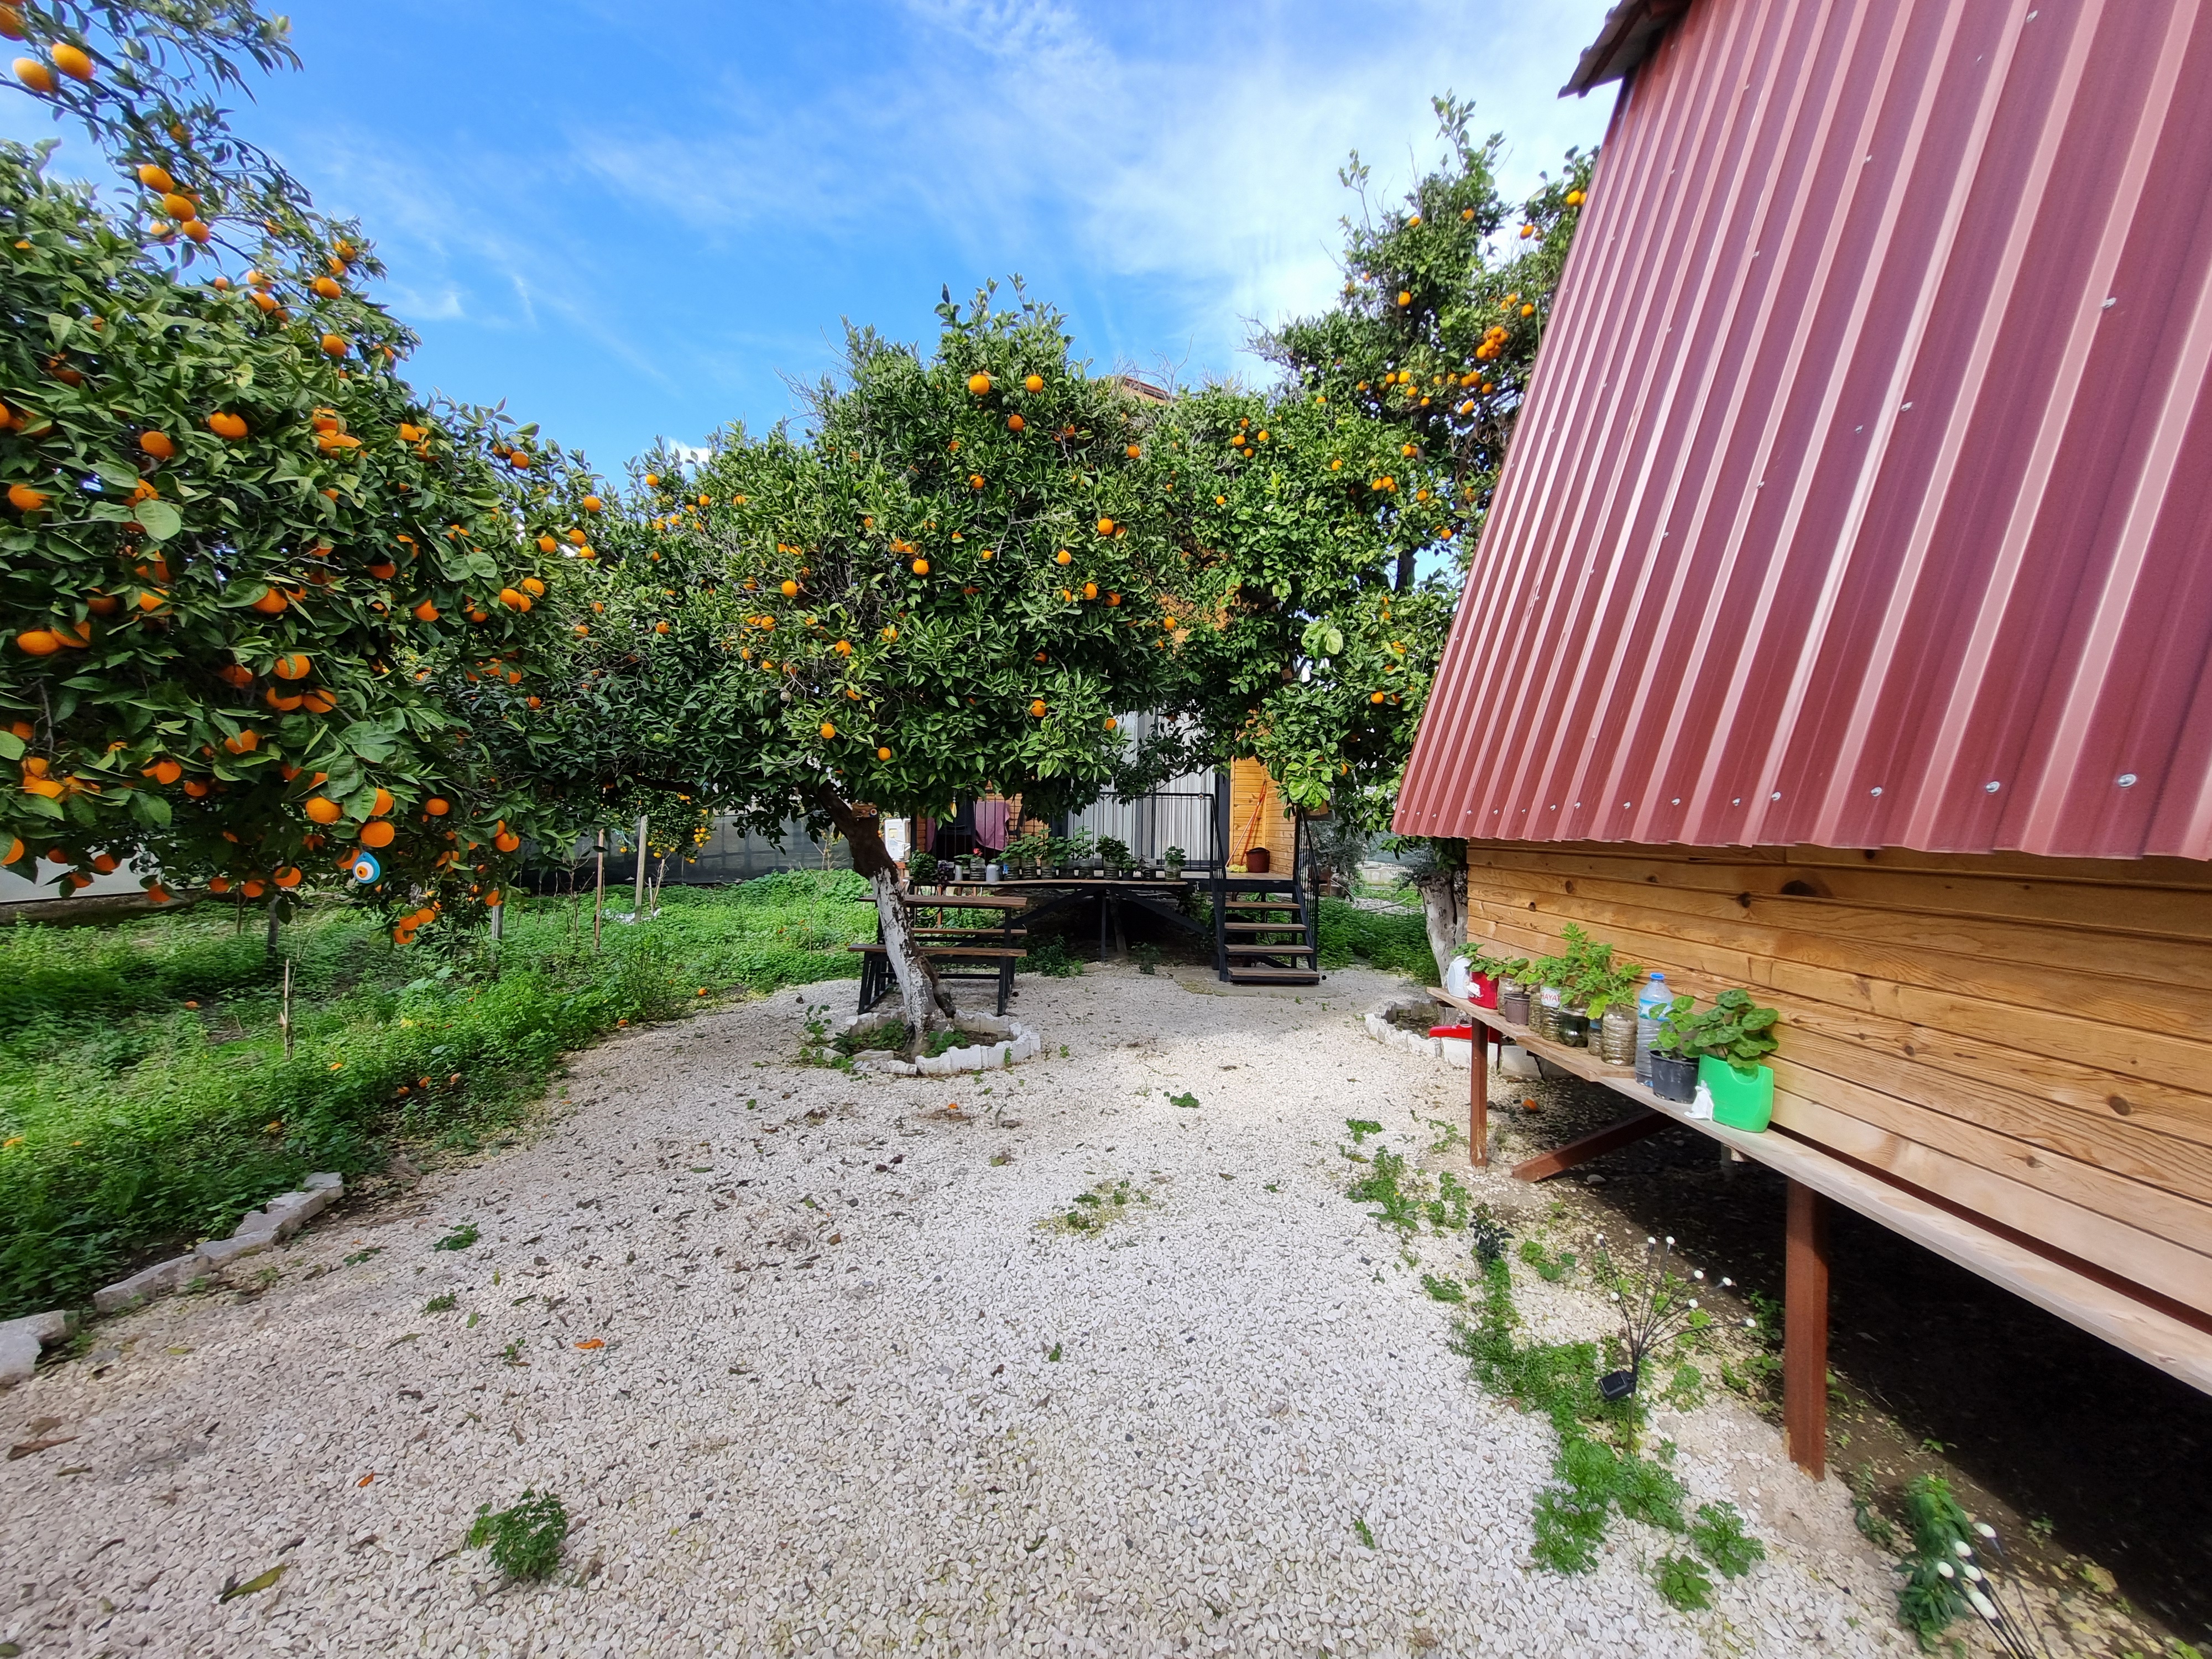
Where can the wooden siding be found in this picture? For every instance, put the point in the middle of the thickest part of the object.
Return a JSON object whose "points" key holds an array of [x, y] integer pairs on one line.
{"points": [[2027, 1038], [1250, 785]]}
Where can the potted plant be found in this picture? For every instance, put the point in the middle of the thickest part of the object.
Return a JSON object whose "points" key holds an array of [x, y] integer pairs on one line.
{"points": [[1513, 991], [1114, 855], [921, 870], [1481, 979], [1612, 993], [1721, 1048], [1544, 1006], [1173, 859]]}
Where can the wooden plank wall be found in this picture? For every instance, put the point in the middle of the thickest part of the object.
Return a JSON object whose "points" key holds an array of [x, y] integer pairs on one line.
{"points": [[2028, 1038], [1248, 781]]}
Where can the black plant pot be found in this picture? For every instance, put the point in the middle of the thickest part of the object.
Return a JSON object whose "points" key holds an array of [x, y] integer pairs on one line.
{"points": [[1514, 1007], [1617, 1385], [1673, 1078]]}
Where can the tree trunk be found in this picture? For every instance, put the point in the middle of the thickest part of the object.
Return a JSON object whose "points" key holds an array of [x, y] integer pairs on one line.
{"points": [[927, 1005], [1444, 906]]}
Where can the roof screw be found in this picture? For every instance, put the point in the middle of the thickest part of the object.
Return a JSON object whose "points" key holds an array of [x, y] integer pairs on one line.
{"points": [[1990, 788], [1738, 801], [1626, 805], [1777, 795], [2112, 301], [1678, 800], [2127, 780], [1876, 790]]}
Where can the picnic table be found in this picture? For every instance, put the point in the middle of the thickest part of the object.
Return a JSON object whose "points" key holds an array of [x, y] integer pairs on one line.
{"points": [[993, 949]]}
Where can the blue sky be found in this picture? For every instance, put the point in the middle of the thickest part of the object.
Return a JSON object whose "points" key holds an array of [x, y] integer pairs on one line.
{"points": [[629, 222]]}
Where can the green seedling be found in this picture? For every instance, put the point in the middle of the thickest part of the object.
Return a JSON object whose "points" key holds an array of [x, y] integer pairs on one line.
{"points": [[444, 1303], [1363, 1531], [525, 1540], [459, 1239], [1186, 1099]]}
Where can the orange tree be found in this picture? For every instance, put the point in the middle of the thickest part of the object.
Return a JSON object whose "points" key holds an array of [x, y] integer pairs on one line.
{"points": [[1434, 340], [1293, 644], [940, 588], [1446, 296], [261, 608]]}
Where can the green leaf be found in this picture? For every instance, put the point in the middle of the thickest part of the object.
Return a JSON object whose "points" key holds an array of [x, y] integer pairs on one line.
{"points": [[117, 477], [161, 519], [11, 746]]}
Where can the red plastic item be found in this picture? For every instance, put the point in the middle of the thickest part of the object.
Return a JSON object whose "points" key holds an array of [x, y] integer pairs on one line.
{"points": [[1464, 1033], [1483, 992]]}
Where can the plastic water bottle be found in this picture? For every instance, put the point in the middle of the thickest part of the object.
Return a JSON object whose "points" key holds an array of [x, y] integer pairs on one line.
{"points": [[1651, 1002]]}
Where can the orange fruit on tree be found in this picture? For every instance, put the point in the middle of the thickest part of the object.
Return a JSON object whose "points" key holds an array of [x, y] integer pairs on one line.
{"points": [[165, 771], [507, 841], [277, 701], [155, 178], [160, 445], [270, 603], [180, 208], [334, 345], [1034, 383], [1063, 557], [532, 586], [1036, 708], [922, 567], [34, 75], [881, 755], [327, 287], [24, 499], [292, 666], [252, 889], [14, 849], [425, 612], [381, 805], [72, 61], [378, 832], [1090, 590], [321, 809], [1134, 451], [661, 627], [38, 642], [547, 544], [828, 731], [592, 504], [287, 877], [1015, 423], [979, 383], [224, 424], [790, 590], [437, 806], [513, 599], [235, 674], [1105, 526], [1404, 298]]}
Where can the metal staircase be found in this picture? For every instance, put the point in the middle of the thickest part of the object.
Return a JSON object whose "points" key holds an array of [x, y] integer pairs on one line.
{"points": [[1264, 925]]}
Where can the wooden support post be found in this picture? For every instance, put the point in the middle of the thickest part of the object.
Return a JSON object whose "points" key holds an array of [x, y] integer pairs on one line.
{"points": [[1584, 1148], [1804, 1331], [1477, 1098]]}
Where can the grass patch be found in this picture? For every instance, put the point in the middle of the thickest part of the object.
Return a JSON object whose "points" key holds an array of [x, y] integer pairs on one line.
{"points": [[1098, 1208], [1396, 942], [131, 1121]]}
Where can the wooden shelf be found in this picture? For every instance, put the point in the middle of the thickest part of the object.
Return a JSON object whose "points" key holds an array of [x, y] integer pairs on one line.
{"points": [[2148, 1332]]}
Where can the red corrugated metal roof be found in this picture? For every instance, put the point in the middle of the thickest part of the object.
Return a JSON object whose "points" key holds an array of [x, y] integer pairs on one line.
{"points": [[1864, 494]]}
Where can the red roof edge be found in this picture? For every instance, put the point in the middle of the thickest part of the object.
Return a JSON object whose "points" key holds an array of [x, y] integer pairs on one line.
{"points": [[1631, 30]]}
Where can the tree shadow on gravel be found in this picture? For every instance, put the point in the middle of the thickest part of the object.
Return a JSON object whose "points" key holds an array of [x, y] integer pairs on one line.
{"points": [[2080, 1453]]}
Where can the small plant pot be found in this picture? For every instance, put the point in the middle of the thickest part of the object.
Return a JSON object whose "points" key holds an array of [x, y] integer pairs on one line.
{"points": [[1174, 872], [1544, 1013], [1673, 1076], [1573, 1028], [1482, 990], [1739, 1102], [1616, 1042], [1257, 860], [1617, 1385], [1513, 1005]]}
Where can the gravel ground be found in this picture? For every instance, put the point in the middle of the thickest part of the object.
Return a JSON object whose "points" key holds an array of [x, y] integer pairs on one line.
{"points": [[857, 1392]]}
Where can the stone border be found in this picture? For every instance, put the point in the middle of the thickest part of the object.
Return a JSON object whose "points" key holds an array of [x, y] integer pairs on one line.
{"points": [[1513, 1059], [1008, 1043], [22, 1341]]}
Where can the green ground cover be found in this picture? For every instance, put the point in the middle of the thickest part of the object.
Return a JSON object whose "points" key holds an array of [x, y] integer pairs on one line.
{"points": [[1396, 941], [132, 1121]]}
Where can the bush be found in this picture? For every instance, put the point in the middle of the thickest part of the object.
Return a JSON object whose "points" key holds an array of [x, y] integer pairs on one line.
{"points": [[132, 1123]]}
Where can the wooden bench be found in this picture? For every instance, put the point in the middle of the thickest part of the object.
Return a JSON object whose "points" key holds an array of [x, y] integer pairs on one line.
{"points": [[876, 979]]}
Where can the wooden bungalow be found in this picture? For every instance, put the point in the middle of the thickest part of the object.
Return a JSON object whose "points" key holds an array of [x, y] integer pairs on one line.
{"points": [[1841, 627]]}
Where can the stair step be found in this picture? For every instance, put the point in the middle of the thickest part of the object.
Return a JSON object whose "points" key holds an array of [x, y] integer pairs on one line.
{"points": [[1259, 904], [1290, 925], [1270, 950], [1273, 976]]}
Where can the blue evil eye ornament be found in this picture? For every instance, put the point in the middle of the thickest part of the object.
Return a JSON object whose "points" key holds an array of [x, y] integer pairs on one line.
{"points": [[366, 870]]}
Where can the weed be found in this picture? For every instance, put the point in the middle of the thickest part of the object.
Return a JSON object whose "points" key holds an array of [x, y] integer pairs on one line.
{"points": [[525, 1540], [1443, 1289], [1363, 1531], [1382, 1185], [1550, 1269], [359, 1256], [1148, 958], [1718, 1535], [1186, 1099], [1104, 1203], [1362, 1128], [444, 1303], [1685, 1389], [1872, 1525], [1053, 959], [1684, 1583], [512, 1354], [943, 1041], [460, 1238], [1053, 1353]]}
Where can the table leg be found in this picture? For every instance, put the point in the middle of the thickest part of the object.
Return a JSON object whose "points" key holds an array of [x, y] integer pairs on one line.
{"points": [[1477, 1098], [1805, 1330]]}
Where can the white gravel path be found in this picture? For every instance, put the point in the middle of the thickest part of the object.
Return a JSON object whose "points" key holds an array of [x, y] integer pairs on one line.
{"points": [[826, 1417]]}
